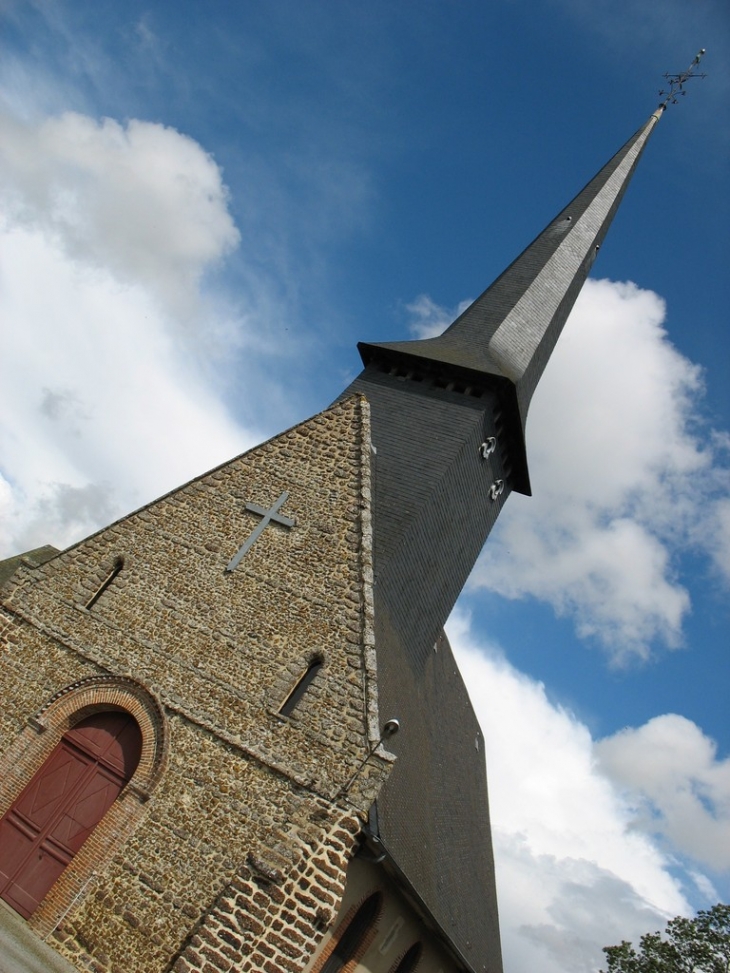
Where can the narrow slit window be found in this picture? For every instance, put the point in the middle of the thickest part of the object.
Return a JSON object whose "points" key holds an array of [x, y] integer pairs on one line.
{"points": [[108, 580], [292, 700]]}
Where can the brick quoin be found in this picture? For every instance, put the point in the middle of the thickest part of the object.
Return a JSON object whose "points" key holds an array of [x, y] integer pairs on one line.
{"points": [[275, 937]]}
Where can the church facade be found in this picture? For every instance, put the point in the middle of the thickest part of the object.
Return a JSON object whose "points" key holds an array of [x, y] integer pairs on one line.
{"points": [[234, 737]]}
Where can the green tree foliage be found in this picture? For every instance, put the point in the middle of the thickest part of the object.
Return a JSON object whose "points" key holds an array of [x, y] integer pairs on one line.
{"points": [[699, 945]]}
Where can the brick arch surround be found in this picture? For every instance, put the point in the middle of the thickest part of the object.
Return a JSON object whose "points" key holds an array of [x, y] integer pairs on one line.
{"points": [[374, 896], [38, 739]]}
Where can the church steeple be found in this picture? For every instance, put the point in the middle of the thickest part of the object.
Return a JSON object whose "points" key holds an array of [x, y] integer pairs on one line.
{"points": [[505, 338], [448, 417]]}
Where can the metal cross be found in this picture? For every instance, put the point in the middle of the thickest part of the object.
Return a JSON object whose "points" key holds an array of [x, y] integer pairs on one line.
{"points": [[678, 81], [266, 517]]}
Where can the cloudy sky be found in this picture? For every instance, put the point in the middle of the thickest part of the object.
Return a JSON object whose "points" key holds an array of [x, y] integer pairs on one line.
{"points": [[205, 206]]}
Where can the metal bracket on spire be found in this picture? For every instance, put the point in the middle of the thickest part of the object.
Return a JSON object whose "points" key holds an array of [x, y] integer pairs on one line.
{"points": [[677, 81], [488, 447]]}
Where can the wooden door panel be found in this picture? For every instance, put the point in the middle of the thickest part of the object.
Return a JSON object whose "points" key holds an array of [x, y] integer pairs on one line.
{"points": [[16, 843], [127, 749], [63, 803], [112, 737], [86, 809], [46, 793], [40, 870], [97, 732]]}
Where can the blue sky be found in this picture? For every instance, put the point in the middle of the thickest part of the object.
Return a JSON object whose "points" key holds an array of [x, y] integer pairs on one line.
{"points": [[205, 207]]}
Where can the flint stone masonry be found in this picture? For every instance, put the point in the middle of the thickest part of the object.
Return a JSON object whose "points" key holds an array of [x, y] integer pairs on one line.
{"points": [[241, 811]]}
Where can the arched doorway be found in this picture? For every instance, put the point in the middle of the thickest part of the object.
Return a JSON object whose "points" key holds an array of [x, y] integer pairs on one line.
{"points": [[63, 803]]}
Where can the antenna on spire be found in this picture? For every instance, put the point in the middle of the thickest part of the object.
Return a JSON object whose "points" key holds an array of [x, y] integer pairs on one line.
{"points": [[677, 81]]}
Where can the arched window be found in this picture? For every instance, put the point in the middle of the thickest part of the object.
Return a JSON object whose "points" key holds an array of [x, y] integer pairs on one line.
{"points": [[292, 700], [408, 962], [117, 567], [63, 803], [351, 941]]}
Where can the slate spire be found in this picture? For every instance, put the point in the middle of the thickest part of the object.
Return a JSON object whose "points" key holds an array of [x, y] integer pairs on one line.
{"points": [[505, 338], [448, 447]]}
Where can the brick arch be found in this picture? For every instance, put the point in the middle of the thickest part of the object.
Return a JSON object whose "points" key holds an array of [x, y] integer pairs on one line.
{"points": [[43, 732], [79, 700], [376, 898]]}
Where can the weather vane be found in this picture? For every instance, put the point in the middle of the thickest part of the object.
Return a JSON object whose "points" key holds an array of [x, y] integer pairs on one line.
{"points": [[676, 82]]}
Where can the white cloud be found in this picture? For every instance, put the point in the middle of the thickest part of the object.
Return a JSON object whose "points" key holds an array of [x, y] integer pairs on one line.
{"points": [[623, 482], [429, 318], [680, 790], [574, 872], [719, 542], [107, 393], [142, 201], [705, 887]]}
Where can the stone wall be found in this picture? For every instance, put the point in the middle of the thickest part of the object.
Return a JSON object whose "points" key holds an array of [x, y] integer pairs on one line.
{"points": [[235, 802]]}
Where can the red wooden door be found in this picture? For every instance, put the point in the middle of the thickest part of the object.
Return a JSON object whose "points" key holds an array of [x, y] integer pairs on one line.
{"points": [[63, 803]]}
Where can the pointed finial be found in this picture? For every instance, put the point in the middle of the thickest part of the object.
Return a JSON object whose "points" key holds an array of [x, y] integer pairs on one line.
{"points": [[676, 82]]}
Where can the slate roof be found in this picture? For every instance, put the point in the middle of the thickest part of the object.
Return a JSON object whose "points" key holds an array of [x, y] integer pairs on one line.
{"points": [[34, 558], [433, 813], [507, 335]]}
